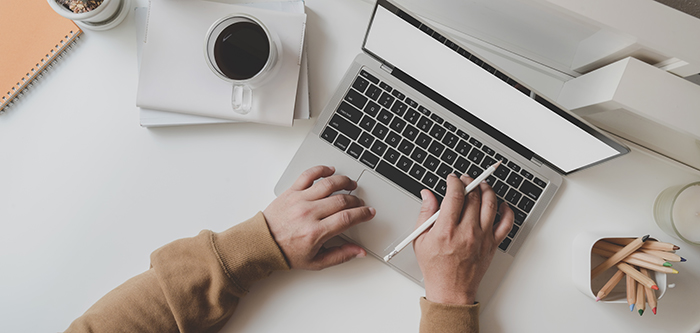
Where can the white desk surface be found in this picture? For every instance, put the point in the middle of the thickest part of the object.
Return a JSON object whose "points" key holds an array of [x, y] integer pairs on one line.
{"points": [[86, 195]]}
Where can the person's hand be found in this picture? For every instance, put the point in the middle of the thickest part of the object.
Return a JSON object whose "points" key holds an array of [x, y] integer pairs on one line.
{"points": [[456, 251], [307, 215]]}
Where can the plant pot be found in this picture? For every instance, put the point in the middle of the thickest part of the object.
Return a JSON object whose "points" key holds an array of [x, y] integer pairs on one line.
{"points": [[106, 16]]}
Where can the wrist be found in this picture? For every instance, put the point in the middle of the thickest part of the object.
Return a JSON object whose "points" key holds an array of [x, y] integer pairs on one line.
{"points": [[450, 298]]}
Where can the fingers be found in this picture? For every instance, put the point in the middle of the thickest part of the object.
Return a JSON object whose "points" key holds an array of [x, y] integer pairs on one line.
{"points": [[337, 255], [344, 219], [452, 204], [472, 209], [505, 224], [308, 177], [489, 205], [330, 185], [328, 206], [428, 208]]}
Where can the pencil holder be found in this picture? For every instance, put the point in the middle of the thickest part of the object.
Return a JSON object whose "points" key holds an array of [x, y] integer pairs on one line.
{"points": [[105, 15], [584, 260]]}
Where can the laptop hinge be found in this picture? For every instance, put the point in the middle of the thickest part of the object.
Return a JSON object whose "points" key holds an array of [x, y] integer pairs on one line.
{"points": [[536, 161], [387, 68]]}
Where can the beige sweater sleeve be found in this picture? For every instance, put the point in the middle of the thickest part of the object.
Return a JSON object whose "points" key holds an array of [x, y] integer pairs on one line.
{"points": [[193, 285]]}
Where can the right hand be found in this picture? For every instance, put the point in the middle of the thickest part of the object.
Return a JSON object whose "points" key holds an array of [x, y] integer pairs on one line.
{"points": [[308, 214], [456, 251]]}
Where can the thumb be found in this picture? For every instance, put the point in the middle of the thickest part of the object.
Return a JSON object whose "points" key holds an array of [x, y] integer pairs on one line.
{"points": [[429, 207], [337, 255]]}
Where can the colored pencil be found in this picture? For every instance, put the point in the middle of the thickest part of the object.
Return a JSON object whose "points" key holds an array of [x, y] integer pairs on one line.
{"points": [[603, 245], [640, 299], [651, 245], [627, 250], [639, 277], [633, 261], [614, 280], [651, 295], [664, 255], [631, 291]]}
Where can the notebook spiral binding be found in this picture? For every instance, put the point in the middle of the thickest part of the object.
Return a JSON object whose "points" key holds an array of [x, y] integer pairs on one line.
{"points": [[20, 89]]}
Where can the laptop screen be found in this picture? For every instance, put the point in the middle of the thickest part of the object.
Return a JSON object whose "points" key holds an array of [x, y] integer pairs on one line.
{"points": [[485, 97]]}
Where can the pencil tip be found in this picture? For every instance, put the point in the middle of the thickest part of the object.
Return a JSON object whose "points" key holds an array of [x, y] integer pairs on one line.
{"points": [[632, 307], [683, 259], [675, 271], [655, 287], [644, 239], [597, 299], [668, 264], [641, 312], [653, 310], [676, 247]]}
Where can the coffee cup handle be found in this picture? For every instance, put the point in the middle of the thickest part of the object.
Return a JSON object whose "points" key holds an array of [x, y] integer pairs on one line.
{"points": [[242, 98]]}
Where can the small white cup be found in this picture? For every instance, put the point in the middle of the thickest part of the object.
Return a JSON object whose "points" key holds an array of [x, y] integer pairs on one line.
{"points": [[241, 50], [107, 16], [677, 212]]}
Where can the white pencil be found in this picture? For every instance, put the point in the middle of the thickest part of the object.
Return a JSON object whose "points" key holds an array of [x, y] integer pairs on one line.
{"points": [[433, 218]]}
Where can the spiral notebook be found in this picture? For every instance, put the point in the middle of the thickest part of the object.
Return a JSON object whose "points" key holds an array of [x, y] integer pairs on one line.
{"points": [[32, 36]]}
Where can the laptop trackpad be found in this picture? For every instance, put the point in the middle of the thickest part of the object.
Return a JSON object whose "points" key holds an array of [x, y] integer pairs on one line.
{"points": [[396, 217]]}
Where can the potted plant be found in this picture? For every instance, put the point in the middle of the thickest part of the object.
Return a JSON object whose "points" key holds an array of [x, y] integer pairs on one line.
{"points": [[93, 14]]}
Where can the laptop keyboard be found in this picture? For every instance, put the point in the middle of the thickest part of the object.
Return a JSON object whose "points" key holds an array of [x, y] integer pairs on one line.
{"points": [[416, 149]]}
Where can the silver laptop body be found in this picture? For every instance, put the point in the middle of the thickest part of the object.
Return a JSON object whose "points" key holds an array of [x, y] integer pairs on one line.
{"points": [[378, 102]]}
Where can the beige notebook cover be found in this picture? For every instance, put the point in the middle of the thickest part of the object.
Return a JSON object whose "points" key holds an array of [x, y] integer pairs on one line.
{"points": [[32, 35]]}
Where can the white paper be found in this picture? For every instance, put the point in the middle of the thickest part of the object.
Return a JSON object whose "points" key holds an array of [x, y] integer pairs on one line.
{"points": [[482, 94], [175, 77]]}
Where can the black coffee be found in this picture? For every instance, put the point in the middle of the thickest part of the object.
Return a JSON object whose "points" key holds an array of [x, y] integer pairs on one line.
{"points": [[241, 50]]}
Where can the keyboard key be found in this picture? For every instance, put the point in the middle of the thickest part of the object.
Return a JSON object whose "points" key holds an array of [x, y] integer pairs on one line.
{"points": [[424, 111], [513, 196], [417, 171], [513, 231], [504, 244], [423, 140], [373, 92], [412, 116], [398, 95], [437, 132], [526, 174], [379, 147], [430, 180], [360, 84], [463, 148], [461, 165], [393, 139], [514, 166], [342, 142], [500, 157], [385, 117], [345, 127], [500, 188], [431, 162], [367, 123], [385, 86], [462, 135], [411, 103], [372, 109], [366, 139], [404, 164], [541, 183], [399, 108], [502, 172], [392, 155], [418, 155], [487, 162], [386, 100], [530, 190], [475, 156], [369, 159], [369, 76], [526, 204], [348, 111], [441, 187], [329, 134], [444, 170], [397, 124], [450, 140], [410, 132], [474, 171], [519, 216], [436, 148], [406, 147], [437, 118], [490, 180], [448, 157], [353, 97], [380, 131], [475, 142], [450, 127], [399, 178], [424, 124], [488, 150], [514, 180]]}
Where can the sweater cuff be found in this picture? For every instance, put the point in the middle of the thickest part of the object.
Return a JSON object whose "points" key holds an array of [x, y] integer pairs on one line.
{"points": [[248, 252], [438, 317]]}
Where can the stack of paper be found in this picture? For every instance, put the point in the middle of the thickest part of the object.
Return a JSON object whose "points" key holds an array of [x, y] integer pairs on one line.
{"points": [[176, 86]]}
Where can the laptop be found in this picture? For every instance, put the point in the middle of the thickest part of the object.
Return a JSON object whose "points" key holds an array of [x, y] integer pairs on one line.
{"points": [[413, 107]]}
